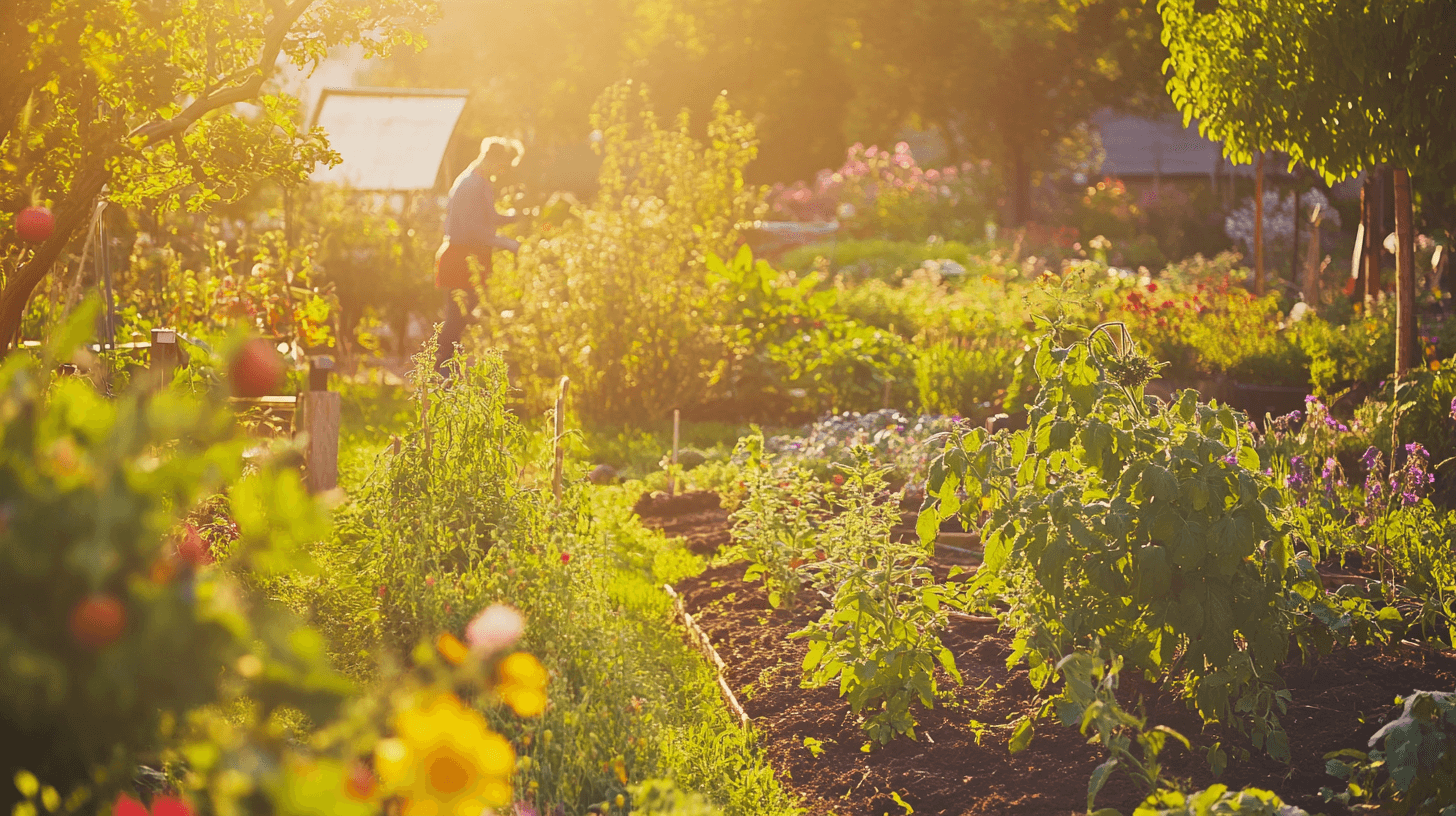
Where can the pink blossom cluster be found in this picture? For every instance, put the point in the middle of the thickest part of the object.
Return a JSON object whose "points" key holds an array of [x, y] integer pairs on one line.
{"points": [[875, 183]]}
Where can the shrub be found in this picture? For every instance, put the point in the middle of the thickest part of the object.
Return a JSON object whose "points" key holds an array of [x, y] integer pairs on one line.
{"points": [[1144, 525], [121, 639], [618, 298]]}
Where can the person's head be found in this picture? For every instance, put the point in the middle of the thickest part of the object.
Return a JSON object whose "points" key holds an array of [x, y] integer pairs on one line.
{"points": [[496, 154]]}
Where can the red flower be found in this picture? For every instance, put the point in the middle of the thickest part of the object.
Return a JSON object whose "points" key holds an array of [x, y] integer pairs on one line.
{"points": [[161, 806], [1152, 287], [566, 558]]}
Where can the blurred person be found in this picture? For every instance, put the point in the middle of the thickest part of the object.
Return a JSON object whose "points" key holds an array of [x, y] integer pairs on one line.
{"points": [[471, 221]]}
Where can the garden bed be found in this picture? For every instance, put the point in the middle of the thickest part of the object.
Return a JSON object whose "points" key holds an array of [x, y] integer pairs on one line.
{"points": [[960, 763]]}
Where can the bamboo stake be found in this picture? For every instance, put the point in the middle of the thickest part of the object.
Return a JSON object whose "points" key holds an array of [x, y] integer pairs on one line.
{"points": [[560, 435]]}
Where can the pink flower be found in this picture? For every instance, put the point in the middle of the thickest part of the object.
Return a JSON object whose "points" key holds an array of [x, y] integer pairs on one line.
{"points": [[495, 629]]}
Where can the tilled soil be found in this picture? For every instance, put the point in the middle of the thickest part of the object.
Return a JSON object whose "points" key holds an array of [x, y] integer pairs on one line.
{"points": [[960, 763]]}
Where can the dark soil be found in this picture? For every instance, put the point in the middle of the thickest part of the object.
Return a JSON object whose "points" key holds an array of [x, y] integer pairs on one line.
{"points": [[960, 763], [696, 517]]}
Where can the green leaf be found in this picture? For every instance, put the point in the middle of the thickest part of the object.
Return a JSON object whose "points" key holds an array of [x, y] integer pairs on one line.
{"points": [[1154, 576], [1099, 777], [1159, 484], [1021, 734]]}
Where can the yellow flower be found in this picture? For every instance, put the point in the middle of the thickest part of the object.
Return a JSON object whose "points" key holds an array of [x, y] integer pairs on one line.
{"points": [[522, 684], [445, 761], [452, 649]]}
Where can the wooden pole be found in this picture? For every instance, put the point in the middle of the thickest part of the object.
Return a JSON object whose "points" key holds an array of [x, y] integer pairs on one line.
{"points": [[1407, 350], [560, 438], [1374, 235], [1294, 247], [164, 355], [320, 411], [1312, 282], [1259, 223]]}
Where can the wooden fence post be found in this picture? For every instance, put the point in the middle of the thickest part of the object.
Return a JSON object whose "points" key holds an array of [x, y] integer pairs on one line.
{"points": [[164, 355], [560, 438], [319, 410]]}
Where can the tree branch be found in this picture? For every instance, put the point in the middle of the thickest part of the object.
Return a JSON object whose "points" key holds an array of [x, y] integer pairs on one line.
{"points": [[273, 38]]}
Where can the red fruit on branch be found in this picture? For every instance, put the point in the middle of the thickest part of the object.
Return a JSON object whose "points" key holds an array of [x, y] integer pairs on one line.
{"points": [[193, 549], [97, 621], [34, 224], [257, 369]]}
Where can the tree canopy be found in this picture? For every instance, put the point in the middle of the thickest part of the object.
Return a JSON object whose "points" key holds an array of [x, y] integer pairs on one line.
{"points": [[163, 104]]}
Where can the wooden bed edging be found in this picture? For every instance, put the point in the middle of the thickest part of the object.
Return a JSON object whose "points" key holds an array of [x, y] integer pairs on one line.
{"points": [[700, 640]]}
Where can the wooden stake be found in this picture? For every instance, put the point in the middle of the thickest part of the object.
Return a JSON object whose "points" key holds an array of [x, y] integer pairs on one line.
{"points": [[320, 418], [164, 355], [672, 468], [1407, 349], [560, 438]]}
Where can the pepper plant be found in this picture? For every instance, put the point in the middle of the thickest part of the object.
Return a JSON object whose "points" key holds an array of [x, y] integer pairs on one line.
{"points": [[1144, 525]]}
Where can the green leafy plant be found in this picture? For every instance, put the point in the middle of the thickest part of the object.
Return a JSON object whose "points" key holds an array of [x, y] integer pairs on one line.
{"points": [[1414, 770], [1147, 526], [1089, 700], [879, 639], [774, 527], [118, 628]]}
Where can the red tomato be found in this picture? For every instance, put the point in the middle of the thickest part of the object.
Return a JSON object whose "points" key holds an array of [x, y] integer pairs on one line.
{"points": [[193, 549], [97, 621], [257, 369], [34, 224]]}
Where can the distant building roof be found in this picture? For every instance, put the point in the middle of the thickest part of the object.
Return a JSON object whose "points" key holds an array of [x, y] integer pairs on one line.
{"points": [[1138, 146]]}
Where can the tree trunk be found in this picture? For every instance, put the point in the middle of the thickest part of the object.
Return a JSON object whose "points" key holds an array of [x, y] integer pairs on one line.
{"points": [[1294, 248], [1259, 224], [1374, 235], [72, 213], [1407, 350]]}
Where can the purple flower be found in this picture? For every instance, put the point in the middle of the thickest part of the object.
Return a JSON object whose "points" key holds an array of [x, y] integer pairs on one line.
{"points": [[1298, 473], [1230, 459], [1370, 457], [1453, 407]]}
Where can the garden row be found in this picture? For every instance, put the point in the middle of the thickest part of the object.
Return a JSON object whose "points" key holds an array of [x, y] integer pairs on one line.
{"points": [[1157, 575]]}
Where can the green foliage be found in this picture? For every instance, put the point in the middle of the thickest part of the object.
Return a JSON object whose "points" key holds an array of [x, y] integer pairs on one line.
{"points": [[1414, 771], [1089, 699], [619, 297], [1142, 524], [140, 99], [1217, 800], [879, 639], [1338, 87], [957, 379], [774, 527], [94, 494]]}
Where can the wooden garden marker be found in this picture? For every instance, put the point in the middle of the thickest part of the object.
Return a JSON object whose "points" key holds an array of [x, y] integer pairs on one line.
{"points": [[560, 434], [319, 419], [164, 355]]}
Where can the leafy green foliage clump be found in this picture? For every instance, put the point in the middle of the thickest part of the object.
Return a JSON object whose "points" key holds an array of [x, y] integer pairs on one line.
{"points": [[878, 639], [1414, 771], [118, 633], [1144, 526]]}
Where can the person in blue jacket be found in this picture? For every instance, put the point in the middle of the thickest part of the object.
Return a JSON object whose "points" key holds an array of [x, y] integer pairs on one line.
{"points": [[471, 221]]}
